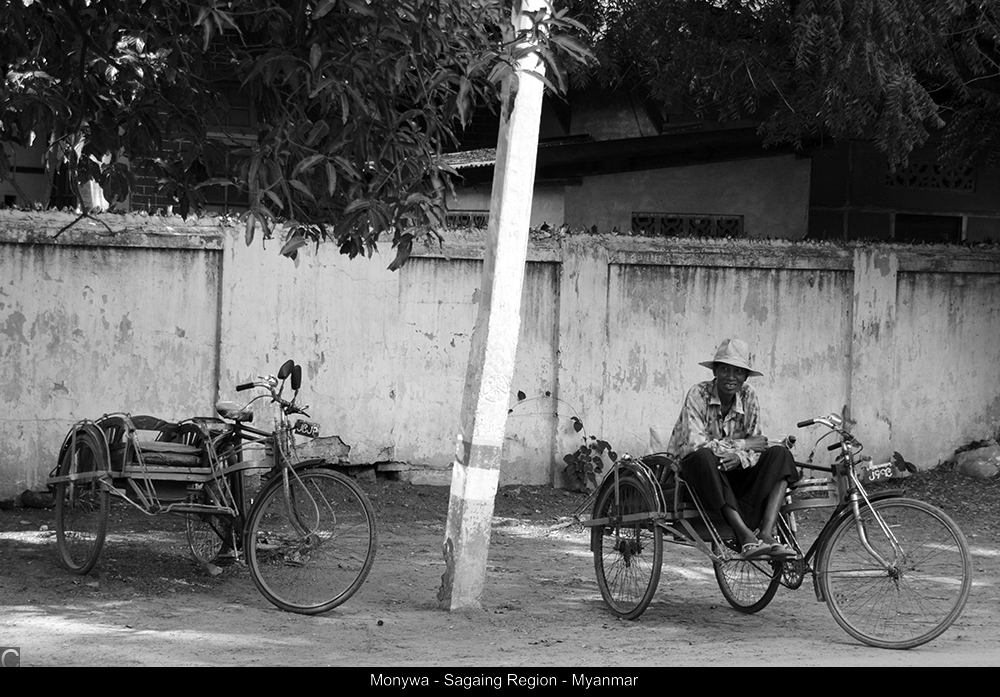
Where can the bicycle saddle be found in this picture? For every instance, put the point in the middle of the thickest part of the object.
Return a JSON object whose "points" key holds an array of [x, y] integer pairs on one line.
{"points": [[234, 412]]}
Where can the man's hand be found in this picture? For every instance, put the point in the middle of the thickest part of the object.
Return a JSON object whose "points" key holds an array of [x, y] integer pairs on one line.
{"points": [[729, 461], [758, 443]]}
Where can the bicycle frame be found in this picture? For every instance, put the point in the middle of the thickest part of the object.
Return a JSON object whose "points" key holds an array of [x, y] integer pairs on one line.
{"points": [[846, 507], [279, 445]]}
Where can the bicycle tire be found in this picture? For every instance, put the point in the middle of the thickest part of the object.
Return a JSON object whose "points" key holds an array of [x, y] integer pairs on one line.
{"points": [[747, 585], [81, 505], [918, 597], [628, 557], [317, 571]]}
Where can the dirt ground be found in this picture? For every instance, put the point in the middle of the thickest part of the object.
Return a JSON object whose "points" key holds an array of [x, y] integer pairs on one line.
{"points": [[147, 604]]}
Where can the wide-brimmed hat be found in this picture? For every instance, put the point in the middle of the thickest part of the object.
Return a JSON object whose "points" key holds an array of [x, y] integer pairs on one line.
{"points": [[733, 352]]}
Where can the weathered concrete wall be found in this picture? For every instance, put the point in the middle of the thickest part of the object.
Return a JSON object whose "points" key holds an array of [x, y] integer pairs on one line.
{"points": [[94, 323], [947, 361], [339, 320], [384, 353], [904, 337], [612, 331]]}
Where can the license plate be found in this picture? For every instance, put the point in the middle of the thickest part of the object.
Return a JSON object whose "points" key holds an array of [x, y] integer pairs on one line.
{"points": [[877, 473], [306, 428]]}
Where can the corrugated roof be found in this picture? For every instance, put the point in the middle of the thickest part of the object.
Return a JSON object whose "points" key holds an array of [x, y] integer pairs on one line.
{"points": [[487, 157], [484, 157]]}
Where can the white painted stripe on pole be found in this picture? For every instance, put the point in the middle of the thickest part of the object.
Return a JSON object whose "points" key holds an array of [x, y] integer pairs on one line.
{"points": [[474, 483]]}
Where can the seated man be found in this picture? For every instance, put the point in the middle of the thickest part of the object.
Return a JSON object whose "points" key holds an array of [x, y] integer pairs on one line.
{"points": [[726, 460]]}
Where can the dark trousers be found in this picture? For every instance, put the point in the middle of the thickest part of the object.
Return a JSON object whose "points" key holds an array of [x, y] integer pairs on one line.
{"points": [[745, 490]]}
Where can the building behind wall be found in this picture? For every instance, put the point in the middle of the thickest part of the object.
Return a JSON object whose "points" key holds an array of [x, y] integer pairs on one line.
{"points": [[608, 161], [619, 164]]}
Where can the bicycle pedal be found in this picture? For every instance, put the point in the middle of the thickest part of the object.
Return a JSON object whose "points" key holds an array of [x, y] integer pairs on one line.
{"points": [[227, 557]]}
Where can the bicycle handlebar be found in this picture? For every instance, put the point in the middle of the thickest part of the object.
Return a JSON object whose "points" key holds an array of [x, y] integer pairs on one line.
{"points": [[834, 422], [274, 385]]}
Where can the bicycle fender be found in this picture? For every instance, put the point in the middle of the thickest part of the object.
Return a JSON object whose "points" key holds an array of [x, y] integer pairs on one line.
{"points": [[633, 470], [314, 463], [274, 475], [608, 484], [86, 429]]}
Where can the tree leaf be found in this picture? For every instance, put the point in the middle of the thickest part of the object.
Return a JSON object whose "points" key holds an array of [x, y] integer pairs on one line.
{"points": [[292, 245], [306, 164], [322, 8], [359, 6], [248, 231], [302, 188]]}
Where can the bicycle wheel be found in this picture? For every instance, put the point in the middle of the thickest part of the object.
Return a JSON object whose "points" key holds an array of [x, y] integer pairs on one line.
{"points": [[921, 592], [311, 552], [747, 585], [628, 556], [81, 503]]}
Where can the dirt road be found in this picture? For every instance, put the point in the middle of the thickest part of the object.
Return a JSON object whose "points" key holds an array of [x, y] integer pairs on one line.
{"points": [[148, 605]]}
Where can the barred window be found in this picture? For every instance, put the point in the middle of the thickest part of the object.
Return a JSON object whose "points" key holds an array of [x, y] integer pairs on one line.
{"points": [[459, 220], [928, 175], [682, 225]]}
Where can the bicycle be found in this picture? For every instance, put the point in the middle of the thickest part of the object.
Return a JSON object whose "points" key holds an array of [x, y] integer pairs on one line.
{"points": [[894, 572], [308, 537]]}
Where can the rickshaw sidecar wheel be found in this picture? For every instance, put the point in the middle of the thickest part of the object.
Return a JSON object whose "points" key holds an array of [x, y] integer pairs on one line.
{"points": [[748, 585], [628, 554], [82, 503], [209, 533]]}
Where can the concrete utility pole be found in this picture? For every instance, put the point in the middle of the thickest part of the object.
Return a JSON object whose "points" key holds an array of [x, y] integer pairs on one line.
{"points": [[476, 471]]}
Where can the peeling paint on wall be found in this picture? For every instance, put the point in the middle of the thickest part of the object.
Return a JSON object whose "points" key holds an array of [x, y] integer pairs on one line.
{"points": [[754, 307], [124, 331], [883, 264], [13, 327]]}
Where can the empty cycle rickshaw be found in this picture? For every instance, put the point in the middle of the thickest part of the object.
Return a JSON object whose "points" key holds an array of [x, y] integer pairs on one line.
{"points": [[308, 535]]}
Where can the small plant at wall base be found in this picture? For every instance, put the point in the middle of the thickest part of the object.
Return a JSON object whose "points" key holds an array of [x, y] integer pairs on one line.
{"points": [[585, 466]]}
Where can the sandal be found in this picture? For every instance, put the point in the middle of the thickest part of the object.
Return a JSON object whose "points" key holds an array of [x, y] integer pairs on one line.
{"points": [[780, 551], [755, 549]]}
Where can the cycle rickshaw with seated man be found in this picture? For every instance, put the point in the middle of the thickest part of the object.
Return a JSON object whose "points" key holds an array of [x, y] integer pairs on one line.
{"points": [[895, 572]]}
